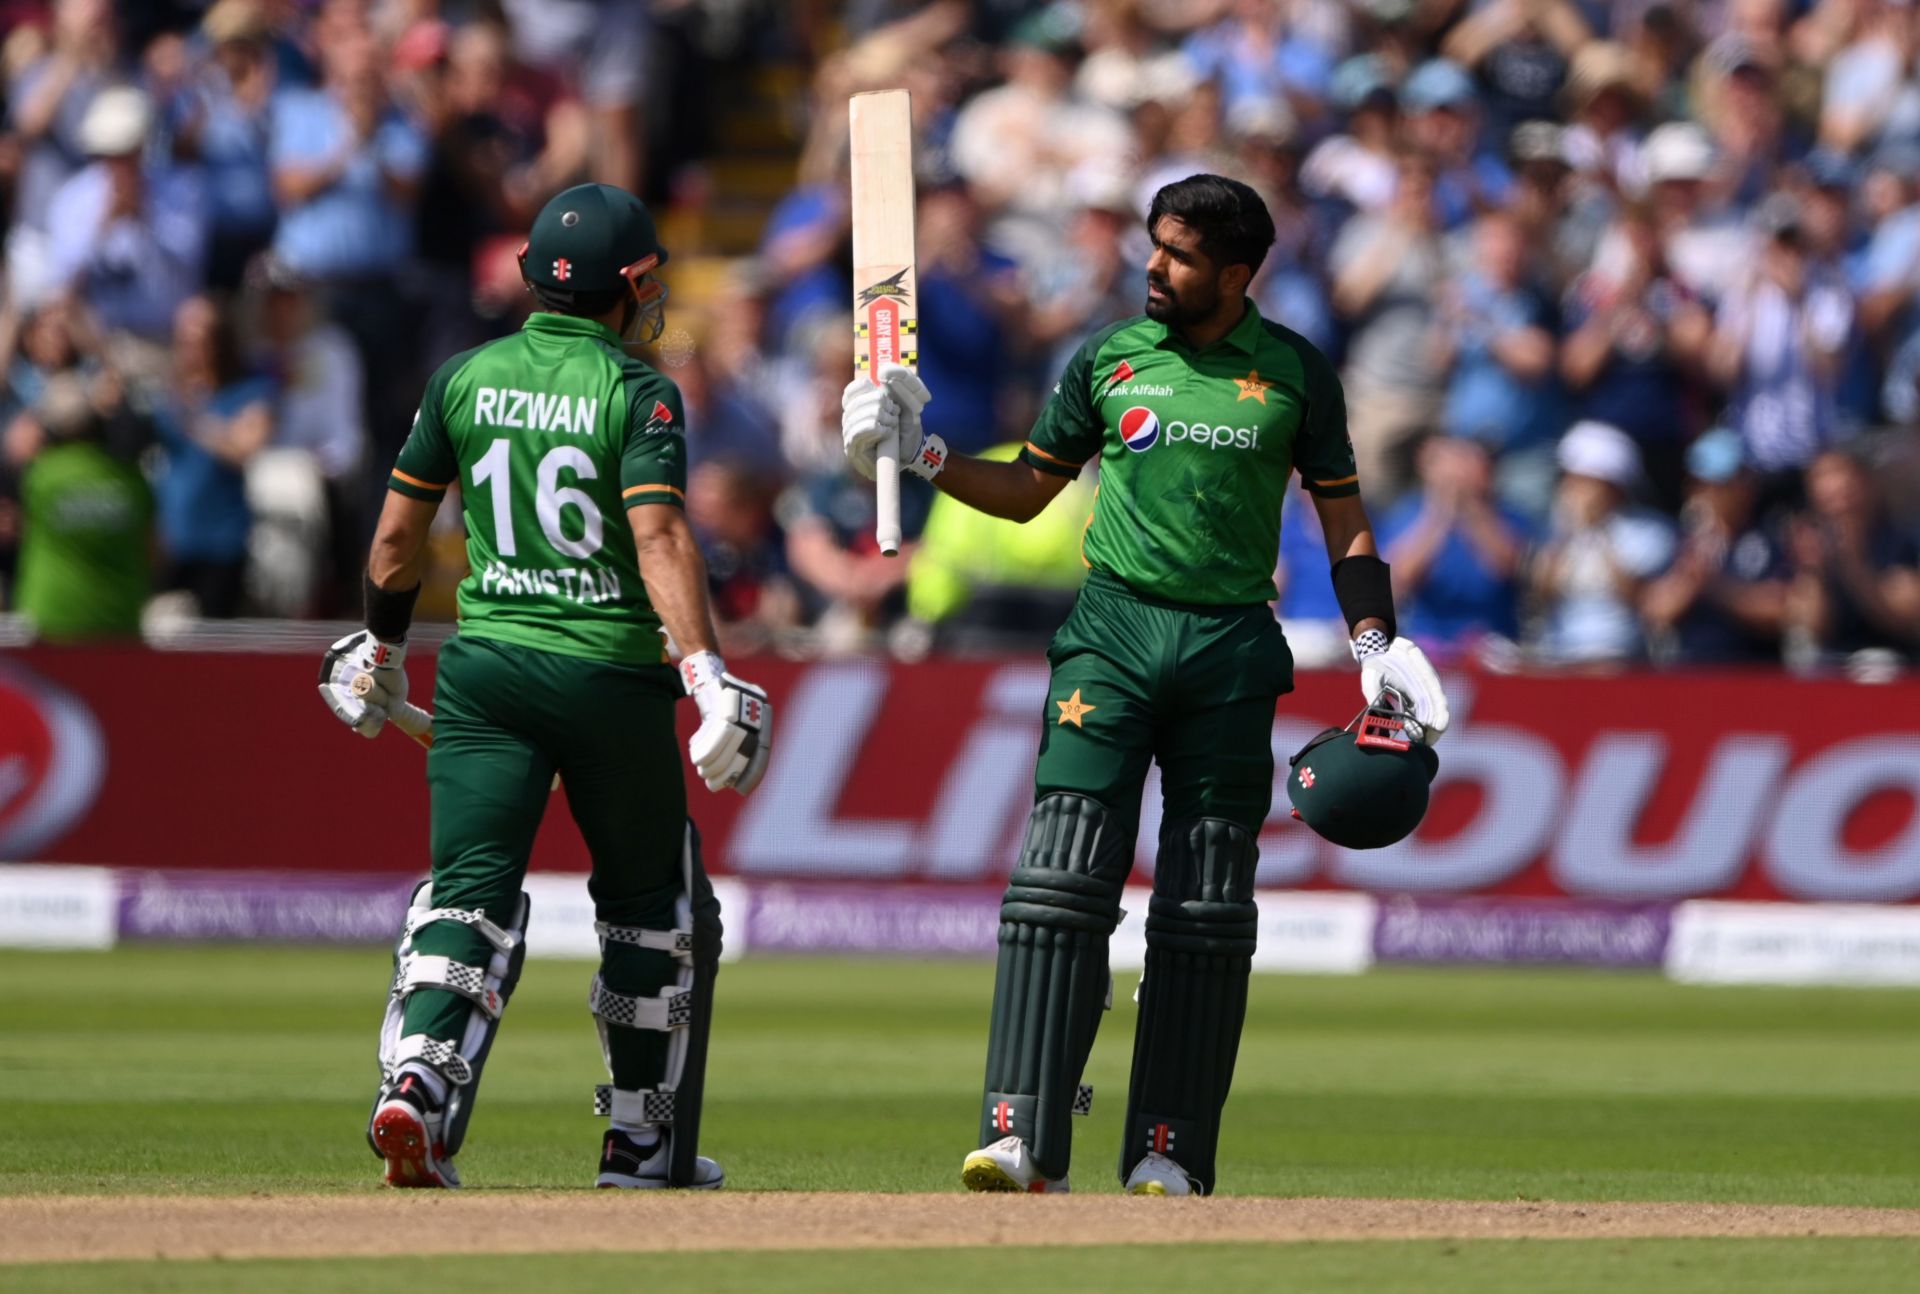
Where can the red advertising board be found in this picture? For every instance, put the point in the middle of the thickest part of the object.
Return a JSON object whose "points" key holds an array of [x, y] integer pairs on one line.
{"points": [[1632, 787]]}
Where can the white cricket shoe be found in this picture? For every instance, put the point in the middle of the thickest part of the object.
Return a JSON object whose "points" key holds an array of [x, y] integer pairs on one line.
{"points": [[631, 1166], [1158, 1175], [406, 1131], [1006, 1166]]}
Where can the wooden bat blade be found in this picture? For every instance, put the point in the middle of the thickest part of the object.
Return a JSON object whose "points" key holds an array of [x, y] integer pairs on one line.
{"points": [[886, 303]]}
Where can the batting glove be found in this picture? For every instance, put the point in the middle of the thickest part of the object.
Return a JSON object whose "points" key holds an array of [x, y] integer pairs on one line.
{"points": [[1401, 665], [733, 743], [363, 680]]}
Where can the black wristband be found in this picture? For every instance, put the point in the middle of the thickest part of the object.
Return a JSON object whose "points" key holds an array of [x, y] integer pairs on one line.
{"points": [[1365, 591], [389, 614]]}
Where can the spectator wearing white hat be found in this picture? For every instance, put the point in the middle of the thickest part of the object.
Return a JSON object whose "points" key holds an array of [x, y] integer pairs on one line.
{"points": [[1586, 583], [1706, 247], [49, 96], [127, 237]]}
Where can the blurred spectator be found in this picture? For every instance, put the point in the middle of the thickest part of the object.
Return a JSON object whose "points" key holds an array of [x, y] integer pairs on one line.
{"points": [[1706, 247], [1093, 283], [1316, 628], [729, 507], [86, 523], [1443, 121], [1455, 551], [1252, 55], [1387, 272], [1869, 83], [48, 100], [1559, 219], [731, 384], [1602, 144], [1127, 61], [1778, 345], [1018, 143], [127, 236], [1358, 166], [1587, 580], [215, 419], [987, 584], [1737, 95], [1520, 51], [320, 382], [604, 48], [1497, 330], [223, 119], [1856, 580], [1635, 341], [970, 298], [1724, 598]]}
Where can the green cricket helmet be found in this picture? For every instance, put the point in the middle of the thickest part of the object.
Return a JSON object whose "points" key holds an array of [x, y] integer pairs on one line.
{"points": [[590, 244], [1363, 786]]}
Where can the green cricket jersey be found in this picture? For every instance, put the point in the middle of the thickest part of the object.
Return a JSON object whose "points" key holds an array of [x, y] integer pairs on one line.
{"points": [[551, 434], [1196, 447], [85, 553]]}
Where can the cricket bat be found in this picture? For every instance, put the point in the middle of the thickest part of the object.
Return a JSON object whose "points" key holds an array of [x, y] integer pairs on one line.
{"points": [[886, 312]]}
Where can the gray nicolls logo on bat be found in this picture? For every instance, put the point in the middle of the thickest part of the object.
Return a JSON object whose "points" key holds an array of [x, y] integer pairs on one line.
{"points": [[887, 287]]}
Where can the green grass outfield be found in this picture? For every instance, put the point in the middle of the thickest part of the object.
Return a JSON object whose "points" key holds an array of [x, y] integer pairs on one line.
{"points": [[1418, 1267], [236, 1069]]}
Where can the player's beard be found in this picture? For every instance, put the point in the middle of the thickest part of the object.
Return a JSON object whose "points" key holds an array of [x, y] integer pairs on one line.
{"points": [[1172, 310]]}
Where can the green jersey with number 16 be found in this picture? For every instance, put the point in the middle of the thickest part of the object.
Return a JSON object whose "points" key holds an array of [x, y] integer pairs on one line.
{"points": [[551, 434]]}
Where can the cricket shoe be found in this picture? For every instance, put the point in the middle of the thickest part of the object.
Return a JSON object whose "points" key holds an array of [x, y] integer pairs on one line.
{"points": [[1158, 1175], [1007, 1166], [406, 1132], [626, 1164]]}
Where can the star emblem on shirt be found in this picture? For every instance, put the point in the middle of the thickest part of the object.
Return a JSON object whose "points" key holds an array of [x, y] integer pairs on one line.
{"points": [[1252, 387], [1073, 709]]}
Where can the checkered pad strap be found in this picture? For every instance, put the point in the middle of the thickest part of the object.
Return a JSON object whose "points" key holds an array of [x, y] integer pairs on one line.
{"points": [[503, 940], [1083, 1099], [441, 1054], [672, 1008], [644, 1106], [418, 970], [677, 942]]}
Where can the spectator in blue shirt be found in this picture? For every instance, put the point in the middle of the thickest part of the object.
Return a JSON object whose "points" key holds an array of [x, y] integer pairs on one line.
{"points": [[1443, 121], [1455, 551], [346, 169], [212, 423], [128, 238], [1252, 56], [223, 119], [1309, 612], [967, 293]]}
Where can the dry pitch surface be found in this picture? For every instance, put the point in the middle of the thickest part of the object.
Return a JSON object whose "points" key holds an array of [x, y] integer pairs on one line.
{"points": [[70, 1228]]}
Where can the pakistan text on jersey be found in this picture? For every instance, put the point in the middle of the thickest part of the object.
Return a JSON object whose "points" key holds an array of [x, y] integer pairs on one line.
{"points": [[535, 410], [582, 584]]}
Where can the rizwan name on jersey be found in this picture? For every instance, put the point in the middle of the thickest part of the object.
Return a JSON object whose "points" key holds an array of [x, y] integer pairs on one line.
{"points": [[581, 584], [535, 410]]}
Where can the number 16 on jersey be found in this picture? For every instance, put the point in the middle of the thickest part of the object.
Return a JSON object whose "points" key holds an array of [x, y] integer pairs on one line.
{"points": [[886, 310]]}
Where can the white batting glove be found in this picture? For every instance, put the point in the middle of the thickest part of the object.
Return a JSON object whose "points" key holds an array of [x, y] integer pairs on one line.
{"points": [[363, 680], [869, 419], [871, 412], [1402, 666], [734, 740]]}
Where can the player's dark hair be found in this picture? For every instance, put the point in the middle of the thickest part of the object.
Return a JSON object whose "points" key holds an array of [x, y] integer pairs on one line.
{"points": [[1230, 218]]}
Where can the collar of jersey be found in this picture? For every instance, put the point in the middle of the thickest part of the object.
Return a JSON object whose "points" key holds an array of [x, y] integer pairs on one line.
{"points": [[546, 321], [1244, 337]]}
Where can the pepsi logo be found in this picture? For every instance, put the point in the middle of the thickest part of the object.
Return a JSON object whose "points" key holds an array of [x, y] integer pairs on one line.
{"points": [[1139, 428], [52, 761]]}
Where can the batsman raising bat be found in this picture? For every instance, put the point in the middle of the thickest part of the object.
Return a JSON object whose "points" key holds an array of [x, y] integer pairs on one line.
{"points": [[554, 435], [1199, 412]]}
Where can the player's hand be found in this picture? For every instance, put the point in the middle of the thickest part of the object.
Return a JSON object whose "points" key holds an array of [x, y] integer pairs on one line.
{"points": [[869, 420], [734, 740], [363, 680], [1402, 666], [870, 412]]}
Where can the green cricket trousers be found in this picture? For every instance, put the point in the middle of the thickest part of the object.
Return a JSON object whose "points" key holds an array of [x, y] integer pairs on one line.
{"points": [[506, 719]]}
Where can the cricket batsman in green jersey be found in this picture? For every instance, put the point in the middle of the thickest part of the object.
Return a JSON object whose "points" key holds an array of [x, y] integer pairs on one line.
{"points": [[570, 457], [1199, 412]]}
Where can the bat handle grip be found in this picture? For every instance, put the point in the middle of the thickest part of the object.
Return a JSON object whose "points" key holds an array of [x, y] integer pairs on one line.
{"points": [[415, 722], [886, 495]]}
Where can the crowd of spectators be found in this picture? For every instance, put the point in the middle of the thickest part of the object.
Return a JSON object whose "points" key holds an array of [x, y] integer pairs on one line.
{"points": [[1625, 296]]}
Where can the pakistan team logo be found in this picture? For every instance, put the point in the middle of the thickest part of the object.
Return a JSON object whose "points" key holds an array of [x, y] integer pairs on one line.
{"points": [[1139, 428]]}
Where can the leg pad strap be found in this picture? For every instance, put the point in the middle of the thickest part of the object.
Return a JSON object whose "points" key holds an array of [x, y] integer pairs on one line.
{"points": [[671, 1008]]}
